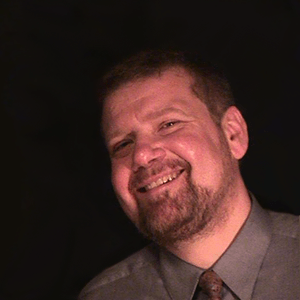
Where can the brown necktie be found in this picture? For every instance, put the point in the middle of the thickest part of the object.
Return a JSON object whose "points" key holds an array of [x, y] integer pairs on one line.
{"points": [[211, 284]]}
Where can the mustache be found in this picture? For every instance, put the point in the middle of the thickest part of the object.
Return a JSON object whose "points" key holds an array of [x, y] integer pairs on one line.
{"points": [[144, 173]]}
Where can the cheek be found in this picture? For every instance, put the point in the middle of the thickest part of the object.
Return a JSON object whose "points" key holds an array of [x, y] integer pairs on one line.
{"points": [[192, 147], [202, 153], [120, 178]]}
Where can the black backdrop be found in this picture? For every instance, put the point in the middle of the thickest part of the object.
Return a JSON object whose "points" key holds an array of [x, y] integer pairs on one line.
{"points": [[60, 223]]}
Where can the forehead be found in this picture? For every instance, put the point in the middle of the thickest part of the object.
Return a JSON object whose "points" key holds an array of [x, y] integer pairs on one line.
{"points": [[168, 82], [150, 97]]}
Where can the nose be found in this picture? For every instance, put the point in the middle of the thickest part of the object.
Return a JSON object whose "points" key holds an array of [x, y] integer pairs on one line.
{"points": [[146, 153]]}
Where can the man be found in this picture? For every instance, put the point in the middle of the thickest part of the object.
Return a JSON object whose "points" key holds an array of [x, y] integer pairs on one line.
{"points": [[175, 139]]}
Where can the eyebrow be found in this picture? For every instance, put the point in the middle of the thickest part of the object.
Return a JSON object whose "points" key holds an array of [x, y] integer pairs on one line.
{"points": [[159, 113], [153, 115]]}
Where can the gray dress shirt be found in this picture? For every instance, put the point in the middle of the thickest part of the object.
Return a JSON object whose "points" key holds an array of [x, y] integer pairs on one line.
{"points": [[262, 263]]}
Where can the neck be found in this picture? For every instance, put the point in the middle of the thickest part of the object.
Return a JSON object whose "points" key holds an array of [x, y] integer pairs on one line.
{"points": [[205, 249]]}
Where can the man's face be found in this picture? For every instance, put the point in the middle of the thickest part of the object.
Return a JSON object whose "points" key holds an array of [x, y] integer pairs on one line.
{"points": [[172, 169]]}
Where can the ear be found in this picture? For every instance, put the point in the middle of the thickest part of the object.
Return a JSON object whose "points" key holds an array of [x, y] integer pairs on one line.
{"points": [[235, 129]]}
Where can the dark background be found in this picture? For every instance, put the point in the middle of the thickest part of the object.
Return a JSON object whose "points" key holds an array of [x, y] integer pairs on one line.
{"points": [[60, 223]]}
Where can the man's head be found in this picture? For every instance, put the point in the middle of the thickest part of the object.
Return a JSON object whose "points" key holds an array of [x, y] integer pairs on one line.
{"points": [[174, 155], [209, 84]]}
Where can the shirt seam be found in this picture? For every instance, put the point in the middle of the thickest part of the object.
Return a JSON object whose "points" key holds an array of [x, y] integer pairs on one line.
{"points": [[122, 274]]}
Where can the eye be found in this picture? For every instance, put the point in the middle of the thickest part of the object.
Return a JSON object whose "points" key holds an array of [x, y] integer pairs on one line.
{"points": [[169, 124], [121, 146]]}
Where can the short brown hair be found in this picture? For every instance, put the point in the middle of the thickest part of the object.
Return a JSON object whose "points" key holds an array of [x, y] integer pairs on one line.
{"points": [[210, 85]]}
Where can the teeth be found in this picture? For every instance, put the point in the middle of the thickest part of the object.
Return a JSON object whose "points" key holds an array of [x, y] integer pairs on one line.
{"points": [[165, 179], [161, 181]]}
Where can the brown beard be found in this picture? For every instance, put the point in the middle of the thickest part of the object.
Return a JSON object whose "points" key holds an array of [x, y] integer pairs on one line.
{"points": [[192, 210]]}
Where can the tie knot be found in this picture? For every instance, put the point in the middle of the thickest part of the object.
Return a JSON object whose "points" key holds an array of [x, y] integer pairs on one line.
{"points": [[211, 284]]}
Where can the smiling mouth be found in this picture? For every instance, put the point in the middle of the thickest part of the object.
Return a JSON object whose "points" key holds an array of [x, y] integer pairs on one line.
{"points": [[159, 182]]}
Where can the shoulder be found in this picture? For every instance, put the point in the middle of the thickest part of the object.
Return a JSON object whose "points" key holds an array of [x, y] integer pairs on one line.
{"points": [[133, 263], [280, 268], [283, 251], [118, 277], [285, 224]]}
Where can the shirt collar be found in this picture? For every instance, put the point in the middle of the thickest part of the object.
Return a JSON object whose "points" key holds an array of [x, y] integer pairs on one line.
{"points": [[180, 277], [240, 264], [238, 267]]}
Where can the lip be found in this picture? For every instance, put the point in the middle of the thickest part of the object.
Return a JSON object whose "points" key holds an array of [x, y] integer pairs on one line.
{"points": [[159, 181]]}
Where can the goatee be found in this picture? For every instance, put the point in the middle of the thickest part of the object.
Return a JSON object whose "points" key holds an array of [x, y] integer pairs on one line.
{"points": [[178, 216], [188, 211]]}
